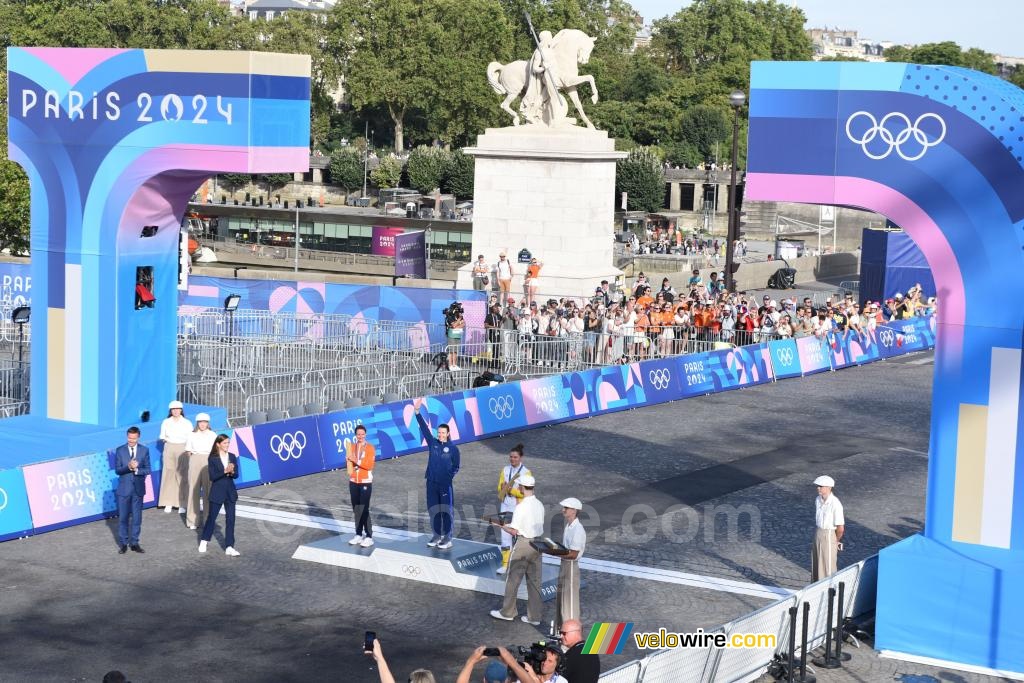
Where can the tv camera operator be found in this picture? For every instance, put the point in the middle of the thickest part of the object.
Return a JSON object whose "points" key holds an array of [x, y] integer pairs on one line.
{"points": [[537, 663], [455, 328]]}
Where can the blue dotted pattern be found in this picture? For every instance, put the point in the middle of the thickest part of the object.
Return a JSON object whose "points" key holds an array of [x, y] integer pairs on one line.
{"points": [[992, 103]]}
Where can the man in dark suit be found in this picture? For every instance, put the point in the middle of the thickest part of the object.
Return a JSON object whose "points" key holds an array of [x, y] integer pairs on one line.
{"points": [[131, 463]]}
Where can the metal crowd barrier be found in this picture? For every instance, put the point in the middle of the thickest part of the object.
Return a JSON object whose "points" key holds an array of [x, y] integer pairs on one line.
{"points": [[435, 382], [734, 665], [15, 380]]}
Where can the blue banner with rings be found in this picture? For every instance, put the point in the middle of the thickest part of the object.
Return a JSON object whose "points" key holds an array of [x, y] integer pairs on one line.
{"points": [[785, 358], [288, 449]]}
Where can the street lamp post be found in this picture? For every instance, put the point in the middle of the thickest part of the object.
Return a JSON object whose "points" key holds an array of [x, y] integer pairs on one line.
{"points": [[736, 100]]}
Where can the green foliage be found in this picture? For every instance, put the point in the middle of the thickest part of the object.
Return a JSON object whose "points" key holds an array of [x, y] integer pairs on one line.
{"points": [[641, 176], [459, 174], [387, 173], [703, 128], [234, 181], [426, 168], [946, 53], [346, 169], [14, 208], [275, 180]]}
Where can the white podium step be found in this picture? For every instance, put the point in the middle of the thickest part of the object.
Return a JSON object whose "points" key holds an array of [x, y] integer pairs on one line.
{"points": [[467, 564]]}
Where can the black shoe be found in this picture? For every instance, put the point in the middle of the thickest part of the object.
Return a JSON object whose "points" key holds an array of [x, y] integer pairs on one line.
{"points": [[121, 550], [137, 548]]}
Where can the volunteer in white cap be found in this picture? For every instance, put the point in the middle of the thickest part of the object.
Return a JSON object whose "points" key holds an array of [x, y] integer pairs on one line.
{"points": [[828, 518], [567, 602], [526, 525], [174, 431], [198, 447]]}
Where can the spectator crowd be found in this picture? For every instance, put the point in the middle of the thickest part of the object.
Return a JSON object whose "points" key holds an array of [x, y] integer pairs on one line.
{"points": [[620, 324]]}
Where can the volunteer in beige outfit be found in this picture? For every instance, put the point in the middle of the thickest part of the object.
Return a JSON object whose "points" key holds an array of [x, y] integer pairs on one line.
{"points": [[174, 431], [574, 537], [198, 447], [828, 535], [525, 561]]}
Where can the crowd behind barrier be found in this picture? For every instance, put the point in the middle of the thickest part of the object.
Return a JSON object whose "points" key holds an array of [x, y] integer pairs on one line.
{"points": [[72, 490], [737, 665]]}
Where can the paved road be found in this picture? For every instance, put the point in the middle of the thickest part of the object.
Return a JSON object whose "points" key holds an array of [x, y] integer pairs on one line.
{"points": [[718, 486]]}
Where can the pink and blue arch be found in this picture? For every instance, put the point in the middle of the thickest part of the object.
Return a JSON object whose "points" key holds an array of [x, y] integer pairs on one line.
{"points": [[939, 151], [112, 141]]}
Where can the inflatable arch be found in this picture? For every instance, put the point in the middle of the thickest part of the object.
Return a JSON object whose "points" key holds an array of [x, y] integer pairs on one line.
{"points": [[115, 142], [938, 150]]}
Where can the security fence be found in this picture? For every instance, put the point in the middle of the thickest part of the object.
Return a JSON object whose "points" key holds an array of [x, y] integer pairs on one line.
{"points": [[733, 664]]}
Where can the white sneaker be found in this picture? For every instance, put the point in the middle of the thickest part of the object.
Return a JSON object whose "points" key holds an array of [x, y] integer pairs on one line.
{"points": [[526, 620], [502, 569], [498, 615], [192, 527], [355, 540], [432, 543], [367, 542], [231, 552], [454, 368], [444, 544], [167, 509], [202, 546]]}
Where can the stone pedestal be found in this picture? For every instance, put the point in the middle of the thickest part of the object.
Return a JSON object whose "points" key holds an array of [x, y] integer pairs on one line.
{"points": [[552, 191]]}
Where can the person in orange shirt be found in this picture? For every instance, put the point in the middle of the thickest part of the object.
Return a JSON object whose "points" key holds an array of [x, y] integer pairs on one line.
{"points": [[640, 328], [359, 458], [645, 299], [667, 319], [532, 280]]}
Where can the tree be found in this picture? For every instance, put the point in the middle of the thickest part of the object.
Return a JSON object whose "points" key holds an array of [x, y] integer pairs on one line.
{"points": [[275, 180], [945, 53], [346, 169], [387, 173], [234, 181], [14, 208], [459, 175], [426, 168], [704, 128], [640, 175]]}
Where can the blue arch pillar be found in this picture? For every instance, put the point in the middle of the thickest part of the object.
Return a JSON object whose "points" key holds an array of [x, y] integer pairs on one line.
{"points": [[115, 142], [938, 150]]}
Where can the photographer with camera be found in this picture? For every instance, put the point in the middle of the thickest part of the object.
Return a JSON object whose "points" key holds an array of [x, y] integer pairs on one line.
{"points": [[454, 327], [539, 665]]}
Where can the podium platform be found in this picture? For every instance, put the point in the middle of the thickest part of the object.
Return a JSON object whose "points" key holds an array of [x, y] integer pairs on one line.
{"points": [[467, 564]]}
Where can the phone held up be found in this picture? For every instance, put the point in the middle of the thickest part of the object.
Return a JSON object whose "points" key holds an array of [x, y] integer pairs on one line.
{"points": [[368, 641]]}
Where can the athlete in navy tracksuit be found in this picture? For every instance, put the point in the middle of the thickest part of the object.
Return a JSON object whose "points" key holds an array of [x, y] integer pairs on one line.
{"points": [[442, 466]]}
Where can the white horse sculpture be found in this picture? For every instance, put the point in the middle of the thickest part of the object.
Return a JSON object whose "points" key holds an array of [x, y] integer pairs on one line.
{"points": [[568, 49]]}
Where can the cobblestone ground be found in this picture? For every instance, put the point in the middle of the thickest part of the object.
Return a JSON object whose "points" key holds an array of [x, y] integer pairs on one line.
{"points": [[718, 486]]}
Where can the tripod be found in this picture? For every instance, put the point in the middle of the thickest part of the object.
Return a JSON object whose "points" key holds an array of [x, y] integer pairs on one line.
{"points": [[442, 378]]}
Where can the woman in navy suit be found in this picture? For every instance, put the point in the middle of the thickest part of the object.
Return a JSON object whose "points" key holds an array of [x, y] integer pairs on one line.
{"points": [[223, 468]]}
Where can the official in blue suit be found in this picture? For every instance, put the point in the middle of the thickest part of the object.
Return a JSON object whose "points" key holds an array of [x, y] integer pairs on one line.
{"points": [[442, 466], [131, 463], [223, 467]]}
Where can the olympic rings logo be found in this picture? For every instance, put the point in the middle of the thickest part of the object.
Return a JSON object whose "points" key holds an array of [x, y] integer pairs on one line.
{"points": [[887, 337], [288, 446], [660, 378], [785, 356], [502, 406], [411, 570], [879, 129], [4, 505]]}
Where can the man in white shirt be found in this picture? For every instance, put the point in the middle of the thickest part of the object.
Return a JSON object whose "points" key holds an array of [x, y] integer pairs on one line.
{"points": [[503, 268], [574, 537], [527, 524], [828, 534]]}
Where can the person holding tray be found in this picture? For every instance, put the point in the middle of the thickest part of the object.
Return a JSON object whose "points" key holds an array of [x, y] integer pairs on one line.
{"points": [[527, 525], [574, 538]]}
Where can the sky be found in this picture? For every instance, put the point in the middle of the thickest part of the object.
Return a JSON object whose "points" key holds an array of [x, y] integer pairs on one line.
{"points": [[996, 26]]}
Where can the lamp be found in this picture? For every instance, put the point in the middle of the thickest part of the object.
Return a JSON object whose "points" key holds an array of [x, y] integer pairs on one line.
{"points": [[231, 302], [21, 314], [737, 98]]}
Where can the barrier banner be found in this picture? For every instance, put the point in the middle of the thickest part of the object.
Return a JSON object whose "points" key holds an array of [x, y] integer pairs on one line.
{"points": [[660, 380], [338, 430], [695, 375], [287, 449], [394, 429], [550, 399], [862, 347], [785, 358], [243, 445], [704, 373], [15, 516], [837, 349], [62, 491], [613, 387], [460, 412], [501, 408], [748, 365], [815, 355]]}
